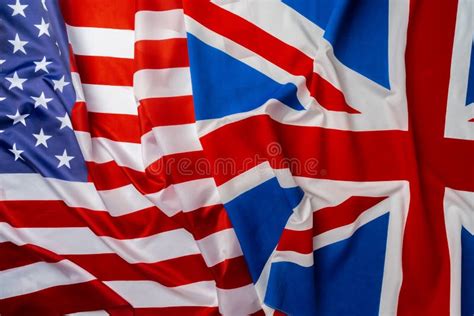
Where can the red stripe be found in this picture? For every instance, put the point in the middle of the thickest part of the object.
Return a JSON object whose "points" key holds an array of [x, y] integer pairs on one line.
{"points": [[79, 119], [327, 95], [60, 300], [232, 273], [103, 13], [72, 60], [146, 222], [168, 111], [440, 162], [278, 52], [129, 128], [296, 240], [309, 151], [109, 175], [170, 169], [117, 127], [170, 273], [110, 266], [207, 220], [169, 53], [105, 70], [138, 224], [19, 256], [147, 5]]}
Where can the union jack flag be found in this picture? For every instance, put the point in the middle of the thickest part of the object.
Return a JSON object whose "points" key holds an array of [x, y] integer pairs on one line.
{"points": [[236, 157]]}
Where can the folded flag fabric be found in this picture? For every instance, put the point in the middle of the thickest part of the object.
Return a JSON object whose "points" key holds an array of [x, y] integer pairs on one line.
{"points": [[236, 157]]}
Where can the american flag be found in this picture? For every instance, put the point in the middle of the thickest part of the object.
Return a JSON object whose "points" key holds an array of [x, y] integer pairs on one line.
{"points": [[236, 157]]}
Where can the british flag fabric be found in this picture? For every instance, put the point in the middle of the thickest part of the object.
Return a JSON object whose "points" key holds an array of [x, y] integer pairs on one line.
{"points": [[237, 157]]}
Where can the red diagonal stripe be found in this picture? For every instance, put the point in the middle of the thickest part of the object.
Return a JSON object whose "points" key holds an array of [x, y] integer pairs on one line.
{"points": [[343, 214]]}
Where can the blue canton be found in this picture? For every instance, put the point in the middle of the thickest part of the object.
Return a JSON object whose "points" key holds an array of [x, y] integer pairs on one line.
{"points": [[36, 93]]}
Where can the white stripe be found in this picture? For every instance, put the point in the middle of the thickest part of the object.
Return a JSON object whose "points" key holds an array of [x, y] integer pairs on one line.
{"points": [[159, 25], [110, 99], [245, 181], [92, 41], [163, 246], [219, 247], [169, 82], [166, 200], [167, 140], [197, 193], [77, 84], [239, 301], [100, 150], [32, 187], [39, 276], [152, 294], [160, 141], [91, 313], [186, 196], [82, 241], [301, 259], [124, 200]]}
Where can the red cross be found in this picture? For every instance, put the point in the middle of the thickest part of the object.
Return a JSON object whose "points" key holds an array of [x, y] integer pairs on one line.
{"points": [[420, 155]]}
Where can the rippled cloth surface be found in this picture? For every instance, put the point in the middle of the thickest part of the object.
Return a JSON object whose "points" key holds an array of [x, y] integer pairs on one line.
{"points": [[236, 157]]}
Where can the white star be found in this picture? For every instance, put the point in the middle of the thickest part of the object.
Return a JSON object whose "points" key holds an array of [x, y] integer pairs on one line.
{"points": [[42, 100], [16, 82], [43, 28], [18, 44], [41, 138], [64, 159], [2, 98], [18, 118], [43, 2], [18, 8], [16, 152], [41, 65], [60, 84], [65, 121], [2, 61]]}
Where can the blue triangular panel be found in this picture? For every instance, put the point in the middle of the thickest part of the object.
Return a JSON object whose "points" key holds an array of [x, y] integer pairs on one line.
{"points": [[223, 85], [357, 30], [259, 216], [346, 278]]}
